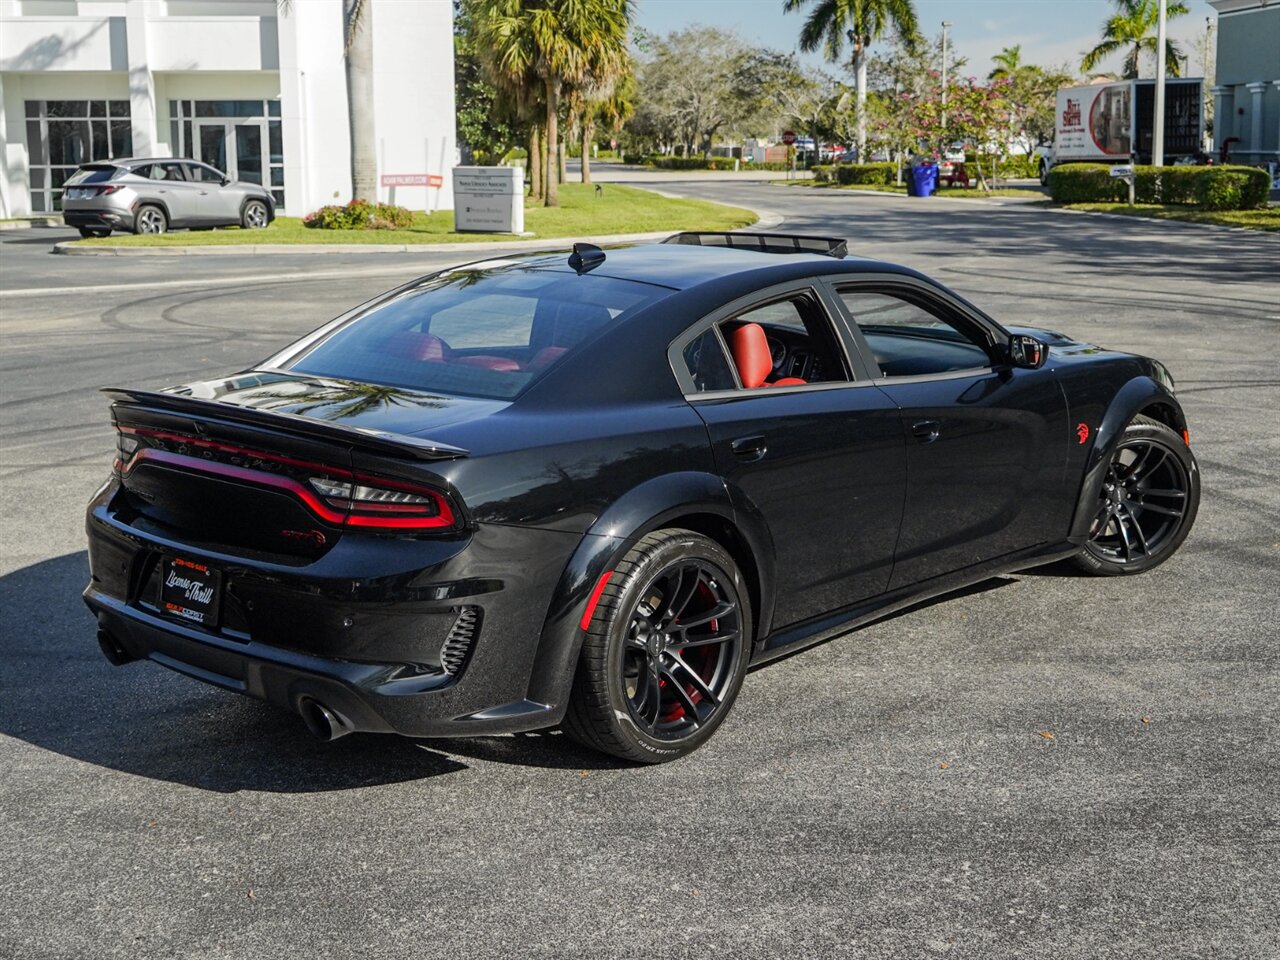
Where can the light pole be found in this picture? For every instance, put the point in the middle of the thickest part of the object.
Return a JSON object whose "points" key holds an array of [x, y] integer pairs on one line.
{"points": [[945, 25], [1157, 141]]}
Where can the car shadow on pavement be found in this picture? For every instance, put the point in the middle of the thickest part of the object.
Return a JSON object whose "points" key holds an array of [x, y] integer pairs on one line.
{"points": [[58, 693]]}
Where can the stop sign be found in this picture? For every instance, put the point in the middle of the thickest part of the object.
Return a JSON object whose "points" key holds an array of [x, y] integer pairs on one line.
{"points": [[788, 137]]}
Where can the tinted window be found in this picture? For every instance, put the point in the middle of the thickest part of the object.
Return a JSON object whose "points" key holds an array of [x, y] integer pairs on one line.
{"points": [[92, 175], [161, 171], [908, 338], [707, 364], [202, 174], [475, 333], [794, 337]]}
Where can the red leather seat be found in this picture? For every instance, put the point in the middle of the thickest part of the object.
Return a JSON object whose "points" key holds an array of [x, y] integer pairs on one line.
{"points": [[546, 356], [500, 364], [751, 356], [416, 345]]}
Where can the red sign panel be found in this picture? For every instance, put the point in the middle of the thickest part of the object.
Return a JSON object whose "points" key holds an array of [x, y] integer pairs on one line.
{"points": [[788, 137]]}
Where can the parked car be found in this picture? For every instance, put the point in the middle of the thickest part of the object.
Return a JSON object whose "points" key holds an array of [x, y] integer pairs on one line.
{"points": [[591, 491], [154, 195]]}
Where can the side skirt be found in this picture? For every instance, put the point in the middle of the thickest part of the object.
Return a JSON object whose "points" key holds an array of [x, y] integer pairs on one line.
{"points": [[793, 639]]}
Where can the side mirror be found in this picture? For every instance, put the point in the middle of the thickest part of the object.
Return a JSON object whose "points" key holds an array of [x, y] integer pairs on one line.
{"points": [[225, 181], [1027, 352]]}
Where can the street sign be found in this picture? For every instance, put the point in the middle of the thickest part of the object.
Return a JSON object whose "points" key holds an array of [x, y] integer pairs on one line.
{"points": [[412, 180], [1122, 170], [788, 137]]}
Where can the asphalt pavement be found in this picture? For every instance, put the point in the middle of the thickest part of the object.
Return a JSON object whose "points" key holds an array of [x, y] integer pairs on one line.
{"points": [[1048, 765]]}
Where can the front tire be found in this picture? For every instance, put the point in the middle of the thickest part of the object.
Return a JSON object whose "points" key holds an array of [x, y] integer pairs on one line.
{"points": [[254, 215], [665, 651], [150, 219], [1147, 503]]}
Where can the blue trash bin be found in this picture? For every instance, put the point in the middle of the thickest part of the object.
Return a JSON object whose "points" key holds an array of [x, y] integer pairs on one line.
{"points": [[924, 178]]}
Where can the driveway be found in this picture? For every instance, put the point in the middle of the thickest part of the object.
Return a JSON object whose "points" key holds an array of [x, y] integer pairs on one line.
{"points": [[1043, 766]]}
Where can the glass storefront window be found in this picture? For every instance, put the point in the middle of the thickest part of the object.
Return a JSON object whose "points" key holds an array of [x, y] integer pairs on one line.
{"points": [[235, 136], [62, 134]]}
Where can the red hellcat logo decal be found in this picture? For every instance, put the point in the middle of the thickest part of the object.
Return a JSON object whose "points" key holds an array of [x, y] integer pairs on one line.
{"points": [[1082, 431]]}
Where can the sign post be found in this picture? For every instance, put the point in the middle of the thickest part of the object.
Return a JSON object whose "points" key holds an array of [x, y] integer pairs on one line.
{"points": [[1124, 171], [789, 138]]}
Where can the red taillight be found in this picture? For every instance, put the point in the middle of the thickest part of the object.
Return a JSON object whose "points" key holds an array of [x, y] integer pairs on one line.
{"points": [[110, 189], [373, 504], [345, 498]]}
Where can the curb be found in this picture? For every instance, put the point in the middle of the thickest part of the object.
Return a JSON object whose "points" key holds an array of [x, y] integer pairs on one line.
{"points": [[28, 222], [70, 248]]}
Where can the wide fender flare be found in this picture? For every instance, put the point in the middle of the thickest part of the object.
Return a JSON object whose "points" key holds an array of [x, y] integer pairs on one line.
{"points": [[1130, 400], [650, 506]]}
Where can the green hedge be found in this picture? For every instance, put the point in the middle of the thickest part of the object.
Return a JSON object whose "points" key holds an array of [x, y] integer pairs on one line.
{"points": [[1212, 188], [708, 163], [852, 174]]}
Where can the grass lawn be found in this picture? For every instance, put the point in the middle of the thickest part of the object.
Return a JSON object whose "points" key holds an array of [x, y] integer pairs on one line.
{"points": [[958, 193], [619, 209], [1268, 219]]}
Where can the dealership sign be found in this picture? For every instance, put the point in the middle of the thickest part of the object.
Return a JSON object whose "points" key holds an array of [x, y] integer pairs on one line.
{"points": [[412, 180], [488, 199]]}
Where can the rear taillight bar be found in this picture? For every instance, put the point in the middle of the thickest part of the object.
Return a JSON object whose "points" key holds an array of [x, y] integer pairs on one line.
{"points": [[336, 495]]}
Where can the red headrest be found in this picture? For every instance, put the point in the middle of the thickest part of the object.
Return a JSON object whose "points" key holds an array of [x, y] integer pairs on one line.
{"points": [[416, 345], [751, 354]]}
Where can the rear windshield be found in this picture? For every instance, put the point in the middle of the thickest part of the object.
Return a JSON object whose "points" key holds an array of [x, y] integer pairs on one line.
{"points": [[92, 175], [475, 333]]}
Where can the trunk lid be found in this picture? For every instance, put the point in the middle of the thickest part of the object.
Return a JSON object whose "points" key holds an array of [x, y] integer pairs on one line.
{"points": [[283, 466]]}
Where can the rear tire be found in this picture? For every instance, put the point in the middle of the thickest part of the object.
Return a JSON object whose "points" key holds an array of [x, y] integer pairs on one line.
{"points": [[150, 219], [1147, 503], [88, 232], [665, 652]]}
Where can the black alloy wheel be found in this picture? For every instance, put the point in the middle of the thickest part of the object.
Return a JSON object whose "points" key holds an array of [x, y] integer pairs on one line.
{"points": [[1147, 503], [666, 650]]}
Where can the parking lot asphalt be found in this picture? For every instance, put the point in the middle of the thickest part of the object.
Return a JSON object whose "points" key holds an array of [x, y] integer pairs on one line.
{"points": [[1048, 765]]}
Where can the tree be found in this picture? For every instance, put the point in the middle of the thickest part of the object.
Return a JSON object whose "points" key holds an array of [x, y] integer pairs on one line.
{"points": [[1008, 64], [861, 22], [1030, 94], [562, 43], [1133, 30], [488, 121]]}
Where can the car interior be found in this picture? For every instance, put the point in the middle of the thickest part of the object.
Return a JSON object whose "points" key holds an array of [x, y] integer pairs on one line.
{"points": [[784, 344], [908, 339]]}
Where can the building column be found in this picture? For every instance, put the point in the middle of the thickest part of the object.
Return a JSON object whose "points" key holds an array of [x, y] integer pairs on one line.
{"points": [[1224, 108], [142, 86], [1276, 84], [1255, 118]]}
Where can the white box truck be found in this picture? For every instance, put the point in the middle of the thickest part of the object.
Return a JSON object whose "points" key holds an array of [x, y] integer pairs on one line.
{"points": [[1115, 123]]}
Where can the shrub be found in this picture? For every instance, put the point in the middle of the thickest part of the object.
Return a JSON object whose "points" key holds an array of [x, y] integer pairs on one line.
{"points": [[1213, 188], [359, 215], [878, 174], [823, 172]]}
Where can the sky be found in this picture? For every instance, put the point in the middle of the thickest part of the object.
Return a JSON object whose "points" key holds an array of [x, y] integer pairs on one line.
{"points": [[1052, 32]]}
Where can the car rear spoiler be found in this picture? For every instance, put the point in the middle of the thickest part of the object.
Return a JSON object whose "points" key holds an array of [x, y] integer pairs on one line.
{"points": [[764, 242], [373, 441]]}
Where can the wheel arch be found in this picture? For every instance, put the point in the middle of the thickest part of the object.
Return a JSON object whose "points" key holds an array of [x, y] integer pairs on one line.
{"points": [[1139, 396], [151, 202], [690, 500], [270, 205]]}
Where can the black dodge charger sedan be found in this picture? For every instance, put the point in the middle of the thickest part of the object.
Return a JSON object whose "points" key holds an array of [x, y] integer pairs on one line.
{"points": [[592, 490]]}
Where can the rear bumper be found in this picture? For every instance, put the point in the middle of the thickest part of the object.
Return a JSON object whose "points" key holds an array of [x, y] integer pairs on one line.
{"points": [[360, 632], [114, 219]]}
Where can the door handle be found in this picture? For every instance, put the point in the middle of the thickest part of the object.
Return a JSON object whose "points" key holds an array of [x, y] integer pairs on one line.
{"points": [[926, 431], [204, 193], [749, 448]]}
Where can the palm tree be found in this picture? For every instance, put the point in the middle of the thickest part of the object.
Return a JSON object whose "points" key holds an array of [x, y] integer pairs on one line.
{"points": [[1133, 30], [562, 42], [861, 22], [1008, 64]]}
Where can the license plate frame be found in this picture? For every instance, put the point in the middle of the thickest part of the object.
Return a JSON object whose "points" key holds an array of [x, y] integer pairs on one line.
{"points": [[190, 591]]}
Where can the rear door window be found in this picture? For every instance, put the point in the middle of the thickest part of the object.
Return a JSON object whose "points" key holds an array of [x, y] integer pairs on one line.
{"points": [[477, 333]]}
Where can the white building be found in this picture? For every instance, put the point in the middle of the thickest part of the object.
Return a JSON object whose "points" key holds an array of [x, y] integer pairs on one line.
{"points": [[253, 89]]}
